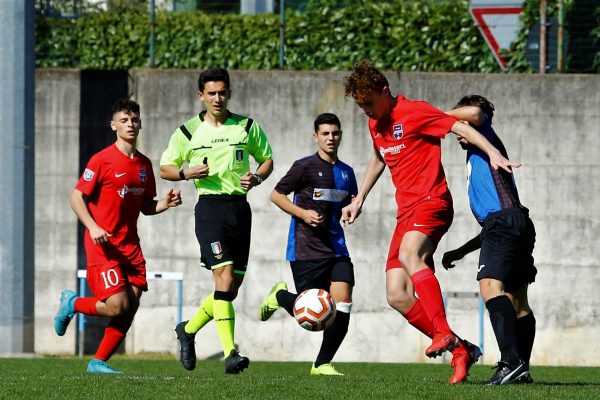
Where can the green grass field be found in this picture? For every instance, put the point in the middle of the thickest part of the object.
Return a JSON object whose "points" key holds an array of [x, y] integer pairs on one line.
{"points": [[164, 378]]}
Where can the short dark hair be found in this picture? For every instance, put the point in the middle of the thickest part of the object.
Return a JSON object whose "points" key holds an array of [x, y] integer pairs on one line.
{"points": [[127, 105], [327, 118], [477, 101], [213, 75]]}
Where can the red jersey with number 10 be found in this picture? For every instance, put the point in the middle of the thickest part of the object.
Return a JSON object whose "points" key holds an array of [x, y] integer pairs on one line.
{"points": [[117, 186], [409, 143]]}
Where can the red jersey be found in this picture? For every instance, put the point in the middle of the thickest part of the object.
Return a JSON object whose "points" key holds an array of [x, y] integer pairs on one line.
{"points": [[117, 186], [409, 143]]}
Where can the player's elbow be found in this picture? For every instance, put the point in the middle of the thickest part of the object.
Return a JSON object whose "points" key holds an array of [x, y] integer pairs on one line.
{"points": [[275, 196], [166, 172]]}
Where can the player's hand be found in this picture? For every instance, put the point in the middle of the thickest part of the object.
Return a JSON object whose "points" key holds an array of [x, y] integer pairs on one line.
{"points": [[351, 211], [173, 198], [312, 218], [497, 160], [197, 172], [99, 235], [247, 181], [450, 257]]}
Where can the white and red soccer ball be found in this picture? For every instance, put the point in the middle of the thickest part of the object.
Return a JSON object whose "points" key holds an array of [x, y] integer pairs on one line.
{"points": [[314, 309]]}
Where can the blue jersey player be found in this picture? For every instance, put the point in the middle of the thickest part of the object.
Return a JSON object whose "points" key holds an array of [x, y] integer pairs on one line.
{"points": [[506, 241], [322, 186]]}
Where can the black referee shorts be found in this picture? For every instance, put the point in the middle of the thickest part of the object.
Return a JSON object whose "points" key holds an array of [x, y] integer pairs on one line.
{"points": [[319, 274], [507, 241], [223, 225]]}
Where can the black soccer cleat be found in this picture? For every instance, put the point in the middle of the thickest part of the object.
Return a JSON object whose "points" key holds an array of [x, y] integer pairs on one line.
{"points": [[506, 374], [187, 354], [234, 363]]}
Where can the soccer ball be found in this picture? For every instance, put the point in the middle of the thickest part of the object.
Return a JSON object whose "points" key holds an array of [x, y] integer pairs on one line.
{"points": [[314, 309]]}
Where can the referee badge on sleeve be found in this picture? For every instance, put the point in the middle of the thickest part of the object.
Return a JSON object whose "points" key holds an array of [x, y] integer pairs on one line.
{"points": [[239, 154], [216, 247]]}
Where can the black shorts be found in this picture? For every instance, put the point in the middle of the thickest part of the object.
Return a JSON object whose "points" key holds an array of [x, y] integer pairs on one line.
{"points": [[223, 225], [507, 241], [319, 274]]}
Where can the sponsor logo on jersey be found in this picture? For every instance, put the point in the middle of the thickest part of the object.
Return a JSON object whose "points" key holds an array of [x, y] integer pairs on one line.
{"points": [[143, 174], [239, 154], [123, 191], [216, 247], [133, 190], [345, 175], [334, 195], [120, 175], [88, 175], [220, 140], [398, 131], [391, 150], [482, 266]]}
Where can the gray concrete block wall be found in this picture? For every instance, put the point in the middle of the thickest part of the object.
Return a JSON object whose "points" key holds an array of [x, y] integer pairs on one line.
{"points": [[57, 163], [549, 123]]}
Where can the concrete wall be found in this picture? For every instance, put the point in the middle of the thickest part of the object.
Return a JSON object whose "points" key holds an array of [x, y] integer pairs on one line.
{"points": [[551, 124]]}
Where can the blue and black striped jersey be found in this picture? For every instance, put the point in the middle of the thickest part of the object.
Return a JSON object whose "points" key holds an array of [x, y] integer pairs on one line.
{"points": [[325, 188], [489, 190]]}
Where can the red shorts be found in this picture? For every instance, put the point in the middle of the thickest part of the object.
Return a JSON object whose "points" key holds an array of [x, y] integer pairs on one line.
{"points": [[109, 279], [433, 217]]}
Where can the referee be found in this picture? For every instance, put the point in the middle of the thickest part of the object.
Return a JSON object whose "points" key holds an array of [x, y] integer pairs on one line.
{"points": [[216, 146]]}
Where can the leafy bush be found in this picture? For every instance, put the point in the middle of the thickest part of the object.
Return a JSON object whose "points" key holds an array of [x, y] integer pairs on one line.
{"points": [[423, 35]]}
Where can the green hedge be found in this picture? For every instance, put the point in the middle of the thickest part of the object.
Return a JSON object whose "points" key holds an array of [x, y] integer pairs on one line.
{"points": [[401, 35]]}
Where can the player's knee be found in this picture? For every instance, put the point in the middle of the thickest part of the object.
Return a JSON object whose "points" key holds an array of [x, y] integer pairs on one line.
{"points": [[490, 288], [410, 261]]}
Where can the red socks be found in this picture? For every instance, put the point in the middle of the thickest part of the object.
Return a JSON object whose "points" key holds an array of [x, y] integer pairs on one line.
{"points": [[113, 336], [418, 318], [430, 296], [86, 305]]}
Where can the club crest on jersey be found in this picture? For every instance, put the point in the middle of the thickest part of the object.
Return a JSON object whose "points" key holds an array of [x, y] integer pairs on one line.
{"points": [[239, 154], [88, 175], [216, 247], [143, 175], [398, 131]]}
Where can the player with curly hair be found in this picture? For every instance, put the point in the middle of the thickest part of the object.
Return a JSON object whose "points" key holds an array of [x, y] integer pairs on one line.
{"points": [[406, 138]]}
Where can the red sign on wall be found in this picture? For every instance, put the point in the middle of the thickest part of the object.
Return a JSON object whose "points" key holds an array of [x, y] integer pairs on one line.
{"points": [[498, 22]]}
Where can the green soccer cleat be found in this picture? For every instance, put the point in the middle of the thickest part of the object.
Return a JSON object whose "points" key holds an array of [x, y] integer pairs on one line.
{"points": [[65, 312], [325, 370], [270, 303], [96, 366]]}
